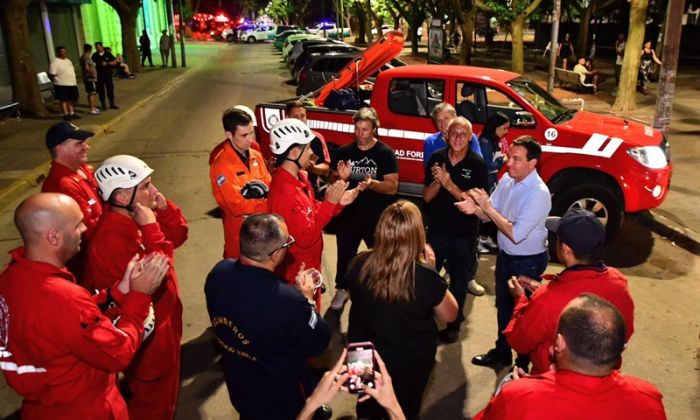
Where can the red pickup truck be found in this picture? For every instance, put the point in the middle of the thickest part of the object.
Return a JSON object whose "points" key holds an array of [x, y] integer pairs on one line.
{"points": [[601, 163]]}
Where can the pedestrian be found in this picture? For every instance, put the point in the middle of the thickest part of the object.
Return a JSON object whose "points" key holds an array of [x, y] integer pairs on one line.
{"points": [[145, 43], [518, 207], [164, 47], [619, 56], [589, 77], [58, 350], [373, 164], [494, 147], [580, 239], [646, 67], [396, 298], [566, 50], [451, 172], [140, 220], [318, 169], [292, 197], [105, 62], [442, 114], [65, 83], [590, 338], [89, 78], [70, 174], [266, 329], [122, 68], [238, 175]]}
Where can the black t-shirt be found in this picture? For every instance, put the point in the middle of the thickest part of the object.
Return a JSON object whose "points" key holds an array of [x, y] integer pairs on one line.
{"points": [[405, 334], [445, 218], [103, 72], [376, 162]]}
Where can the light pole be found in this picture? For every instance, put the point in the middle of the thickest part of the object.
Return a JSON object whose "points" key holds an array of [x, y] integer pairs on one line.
{"points": [[553, 45]]}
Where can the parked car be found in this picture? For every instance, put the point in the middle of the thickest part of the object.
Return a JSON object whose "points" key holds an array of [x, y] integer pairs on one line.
{"points": [[279, 39], [292, 40], [305, 56], [299, 47], [328, 29], [282, 28], [385, 29], [258, 33]]}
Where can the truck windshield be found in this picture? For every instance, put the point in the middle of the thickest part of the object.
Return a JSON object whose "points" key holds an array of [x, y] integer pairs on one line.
{"points": [[539, 98]]}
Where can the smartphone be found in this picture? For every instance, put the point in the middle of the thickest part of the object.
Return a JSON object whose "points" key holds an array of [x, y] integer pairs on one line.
{"points": [[361, 365]]}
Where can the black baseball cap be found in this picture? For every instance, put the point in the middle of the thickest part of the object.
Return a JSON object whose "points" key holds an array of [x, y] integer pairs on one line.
{"points": [[580, 229], [58, 133]]}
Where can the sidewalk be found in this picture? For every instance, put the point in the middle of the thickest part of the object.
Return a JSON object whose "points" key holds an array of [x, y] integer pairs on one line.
{"points": [[677, 219], [25, 161], [23, 156]]}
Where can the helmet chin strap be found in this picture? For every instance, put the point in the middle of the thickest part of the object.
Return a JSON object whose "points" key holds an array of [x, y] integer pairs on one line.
{"points": [[296, 161], [129, 207]]}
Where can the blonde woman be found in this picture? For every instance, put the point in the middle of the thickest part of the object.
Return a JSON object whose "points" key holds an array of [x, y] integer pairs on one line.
{"points": [[396, 296]]}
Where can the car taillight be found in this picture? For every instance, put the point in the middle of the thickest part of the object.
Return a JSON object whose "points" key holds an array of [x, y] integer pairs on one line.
{"points": [[303, 75]]}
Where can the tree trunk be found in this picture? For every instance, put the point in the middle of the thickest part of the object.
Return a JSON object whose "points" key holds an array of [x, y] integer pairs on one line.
{"points": [[361, 23], [626, 99], [518, 61], [378, 21], [416, 21], [467, 26], [128, 25], [25, 89], [584, 26]]}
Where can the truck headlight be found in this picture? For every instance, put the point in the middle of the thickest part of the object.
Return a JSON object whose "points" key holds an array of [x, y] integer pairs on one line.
{"points": [[650, 156]]}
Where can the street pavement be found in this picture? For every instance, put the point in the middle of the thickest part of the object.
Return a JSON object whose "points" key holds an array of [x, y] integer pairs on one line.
{"points": [[170, 117]]}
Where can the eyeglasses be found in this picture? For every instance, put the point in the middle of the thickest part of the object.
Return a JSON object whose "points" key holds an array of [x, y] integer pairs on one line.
{"points": [[285, 245]]}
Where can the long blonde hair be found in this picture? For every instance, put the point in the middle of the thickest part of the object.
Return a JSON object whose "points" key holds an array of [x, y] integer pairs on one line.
{"points": [[398, 243]]}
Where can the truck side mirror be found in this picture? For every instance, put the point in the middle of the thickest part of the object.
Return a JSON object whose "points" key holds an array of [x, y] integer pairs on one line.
{"points": [[524, 119]]}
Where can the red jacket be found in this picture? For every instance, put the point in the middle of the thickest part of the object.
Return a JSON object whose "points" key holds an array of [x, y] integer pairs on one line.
{"points": [[228, 174], [115, 241], [57, 349], [62, 179], [573, 396], [294, 200], [534, 323]]}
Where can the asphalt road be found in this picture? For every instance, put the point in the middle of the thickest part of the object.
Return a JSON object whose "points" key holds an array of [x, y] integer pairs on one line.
{"points": [[175, 133]]}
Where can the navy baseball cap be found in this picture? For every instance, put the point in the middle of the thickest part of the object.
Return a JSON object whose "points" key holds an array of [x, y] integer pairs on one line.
{"points": [[58, 133], [579, 229]]}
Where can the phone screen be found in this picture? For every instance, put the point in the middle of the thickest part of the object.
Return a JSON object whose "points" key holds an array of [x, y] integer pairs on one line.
{"points": [[360, 363]]}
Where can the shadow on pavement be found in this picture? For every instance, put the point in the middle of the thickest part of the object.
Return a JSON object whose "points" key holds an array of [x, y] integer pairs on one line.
{"points": [[631, 247], [201, 374]]}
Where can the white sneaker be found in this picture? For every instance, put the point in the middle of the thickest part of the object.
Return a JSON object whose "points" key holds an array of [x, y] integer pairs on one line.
{"points": [[339, 299], [488, 242], [475, 288], [481, 249]]}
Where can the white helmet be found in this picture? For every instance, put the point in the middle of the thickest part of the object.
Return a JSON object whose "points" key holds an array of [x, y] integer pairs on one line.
{"points": [[248, 111], [287, 132], [121, 171]]}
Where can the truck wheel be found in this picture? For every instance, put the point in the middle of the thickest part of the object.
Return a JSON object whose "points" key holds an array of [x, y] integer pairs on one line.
{"points": [[595, 198], [230, 38], [251, 39]]}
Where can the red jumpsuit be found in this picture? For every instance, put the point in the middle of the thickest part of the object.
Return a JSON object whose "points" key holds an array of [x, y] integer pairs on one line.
{"points": [[62, 179], [293, 199], [228, 174], [154, 376], [573, 396], [57, 350], [534, 324]]}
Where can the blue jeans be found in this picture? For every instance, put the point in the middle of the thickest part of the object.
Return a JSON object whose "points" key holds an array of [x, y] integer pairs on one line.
{"points": [[513, 265], [458, 255]]}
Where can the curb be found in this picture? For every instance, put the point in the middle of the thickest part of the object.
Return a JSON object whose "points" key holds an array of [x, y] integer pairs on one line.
{"points": [[677, 234], [36, 175]]}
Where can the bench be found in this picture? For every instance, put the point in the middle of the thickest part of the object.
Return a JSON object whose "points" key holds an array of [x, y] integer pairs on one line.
{"points": [[572, 80], [45, 85], [8, 109]]}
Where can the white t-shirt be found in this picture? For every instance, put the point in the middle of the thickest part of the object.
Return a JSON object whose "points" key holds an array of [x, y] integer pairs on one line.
{"points": [[63, 71], [620, 50]]}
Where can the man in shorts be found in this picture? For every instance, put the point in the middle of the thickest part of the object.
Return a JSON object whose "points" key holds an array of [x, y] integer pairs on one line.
{"points": [[89, 77], [62, 74]]}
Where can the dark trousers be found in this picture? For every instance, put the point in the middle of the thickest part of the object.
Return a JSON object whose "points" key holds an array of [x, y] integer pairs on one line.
{"points": [[146, 53], [513, 265], [457, 255], [105, 84], [350, 232], [618, 72]]}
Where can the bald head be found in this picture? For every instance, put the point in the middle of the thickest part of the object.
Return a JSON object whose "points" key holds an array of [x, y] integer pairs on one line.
{"points": [[48, 223]]}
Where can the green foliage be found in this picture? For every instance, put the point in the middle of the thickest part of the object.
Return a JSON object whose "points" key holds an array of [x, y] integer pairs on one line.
{"points": [[279, 10]]}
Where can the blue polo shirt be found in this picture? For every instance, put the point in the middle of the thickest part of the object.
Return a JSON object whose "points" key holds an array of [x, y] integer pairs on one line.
{"points": [[266, 331], [435, 141]]}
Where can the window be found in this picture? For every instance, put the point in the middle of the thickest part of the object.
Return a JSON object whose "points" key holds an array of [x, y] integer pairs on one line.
{"points": [[470, 102], [415, 96]]}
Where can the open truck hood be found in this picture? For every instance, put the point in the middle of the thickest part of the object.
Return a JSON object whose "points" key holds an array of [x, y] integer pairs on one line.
{"points": [[364, 65]]}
